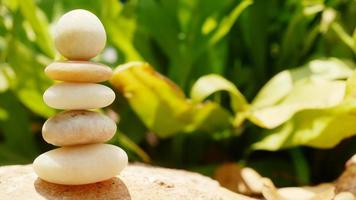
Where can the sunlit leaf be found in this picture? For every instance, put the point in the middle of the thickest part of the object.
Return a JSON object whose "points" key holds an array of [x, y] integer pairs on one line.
{"points": [[312, 106], [210, 84], [152, 98], [306, 94], [161, 105], [282, 83], [312, 86], [321, 128]]}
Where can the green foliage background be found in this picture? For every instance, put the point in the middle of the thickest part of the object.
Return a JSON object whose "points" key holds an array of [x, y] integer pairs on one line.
{"points": [[244, 43]]}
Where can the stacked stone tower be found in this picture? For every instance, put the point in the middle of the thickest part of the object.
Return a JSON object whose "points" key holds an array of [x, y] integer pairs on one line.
{"points": [[83, 157]]}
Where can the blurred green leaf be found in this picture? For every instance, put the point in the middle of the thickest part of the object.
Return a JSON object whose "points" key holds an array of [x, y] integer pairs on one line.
{"points": [[180, 34], [122, 34], [9, 157], [344, 37], [4, 83], [3, 114], [301, 166], [304, 15], [226, 23], [254, 30], [29, 90], [12, 4], [16, 128], [36, 18], [157, 20], [129, 144]]}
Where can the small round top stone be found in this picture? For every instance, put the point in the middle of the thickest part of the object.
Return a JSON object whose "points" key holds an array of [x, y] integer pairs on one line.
{"points": [[79, 35]]}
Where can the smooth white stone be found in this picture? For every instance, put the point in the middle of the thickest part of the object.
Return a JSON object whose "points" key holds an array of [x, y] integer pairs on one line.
{"points": [[79, 165], [77, 127], [79, 35], [78, 96]]}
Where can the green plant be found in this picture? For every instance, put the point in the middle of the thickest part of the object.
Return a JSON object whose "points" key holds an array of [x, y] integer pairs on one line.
{"points": [[312, 105]]}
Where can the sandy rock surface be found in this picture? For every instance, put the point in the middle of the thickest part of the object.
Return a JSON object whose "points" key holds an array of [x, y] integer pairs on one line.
{"points": [[136, 182]]}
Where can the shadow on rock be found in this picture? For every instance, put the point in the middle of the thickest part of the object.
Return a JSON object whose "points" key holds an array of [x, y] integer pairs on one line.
{"points": [[113, 188]]}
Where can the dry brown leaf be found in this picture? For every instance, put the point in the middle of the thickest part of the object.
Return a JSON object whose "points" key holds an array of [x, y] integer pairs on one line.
{"points": [[241, 180], [229, 176]]}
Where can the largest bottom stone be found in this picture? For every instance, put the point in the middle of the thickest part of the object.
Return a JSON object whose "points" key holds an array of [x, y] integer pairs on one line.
{"points": [[79, 165]]}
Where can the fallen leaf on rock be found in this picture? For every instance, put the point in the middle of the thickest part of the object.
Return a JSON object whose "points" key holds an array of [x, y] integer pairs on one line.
{"points": [[238, 179], [303, 193], [269, 191], [328, 194], [344, 196], [229, 176], [252, 179]]}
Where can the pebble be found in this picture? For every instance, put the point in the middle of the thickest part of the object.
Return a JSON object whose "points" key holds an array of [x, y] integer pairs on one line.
{"points": [[78, 96], [80, 164], [78, 71], [78, 127], [79, 35]]}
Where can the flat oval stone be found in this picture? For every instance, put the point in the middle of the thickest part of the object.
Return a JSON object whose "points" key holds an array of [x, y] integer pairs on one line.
{"points": [[78, 96], [78, 127], [78, 71], [79, 165], [79, 35]]}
